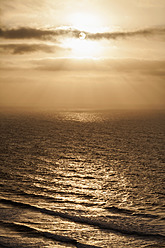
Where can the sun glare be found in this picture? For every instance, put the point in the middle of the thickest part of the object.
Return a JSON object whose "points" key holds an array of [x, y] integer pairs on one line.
{"points": [[85, 22], [82, 47]]}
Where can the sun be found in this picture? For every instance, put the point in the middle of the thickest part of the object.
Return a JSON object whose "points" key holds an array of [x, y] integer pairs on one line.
{"points": [[82, 36], [81, 46]]}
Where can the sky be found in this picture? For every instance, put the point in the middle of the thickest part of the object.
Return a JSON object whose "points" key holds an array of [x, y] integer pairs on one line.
{"points": [[69, 54]]}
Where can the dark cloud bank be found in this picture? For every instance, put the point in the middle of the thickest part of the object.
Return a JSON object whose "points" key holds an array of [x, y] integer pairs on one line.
{"points": [[122, 35], [32, 33]]}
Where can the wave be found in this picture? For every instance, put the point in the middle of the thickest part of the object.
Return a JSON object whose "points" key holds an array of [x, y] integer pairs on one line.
{"points": [[83, 202], [52, 199], [76, 176], [42, 188], [119, 210], [4, 245], [124, 227], [29, 230], [131, 212]]}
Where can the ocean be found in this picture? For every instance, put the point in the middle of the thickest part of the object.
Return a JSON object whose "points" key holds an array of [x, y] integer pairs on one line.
{"points": [[82, 179]]}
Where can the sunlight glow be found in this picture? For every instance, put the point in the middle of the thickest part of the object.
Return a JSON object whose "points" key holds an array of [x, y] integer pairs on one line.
{"points": [[86, 22], [82, 47]]}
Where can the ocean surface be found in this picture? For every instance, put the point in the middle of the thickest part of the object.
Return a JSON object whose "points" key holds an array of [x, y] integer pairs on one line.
{"points": [[82, 179]]}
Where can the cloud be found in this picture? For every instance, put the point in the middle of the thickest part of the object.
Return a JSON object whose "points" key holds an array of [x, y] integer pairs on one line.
{"points": [[33, 33], [19, 5], [127, 34], [46, 34], [150, 4], [66, 64], [108, 67], [122, 66], [28, 48]]}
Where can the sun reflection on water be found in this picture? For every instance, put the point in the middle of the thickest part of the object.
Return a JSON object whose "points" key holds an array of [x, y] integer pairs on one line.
{"points": [[82, 116]]}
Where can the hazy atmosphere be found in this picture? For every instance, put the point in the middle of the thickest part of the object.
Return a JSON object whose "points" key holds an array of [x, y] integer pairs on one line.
{"points": [[82, 54]]}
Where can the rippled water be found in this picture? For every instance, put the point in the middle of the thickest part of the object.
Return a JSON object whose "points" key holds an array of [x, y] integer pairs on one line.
{"points": [[82, 179]]}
